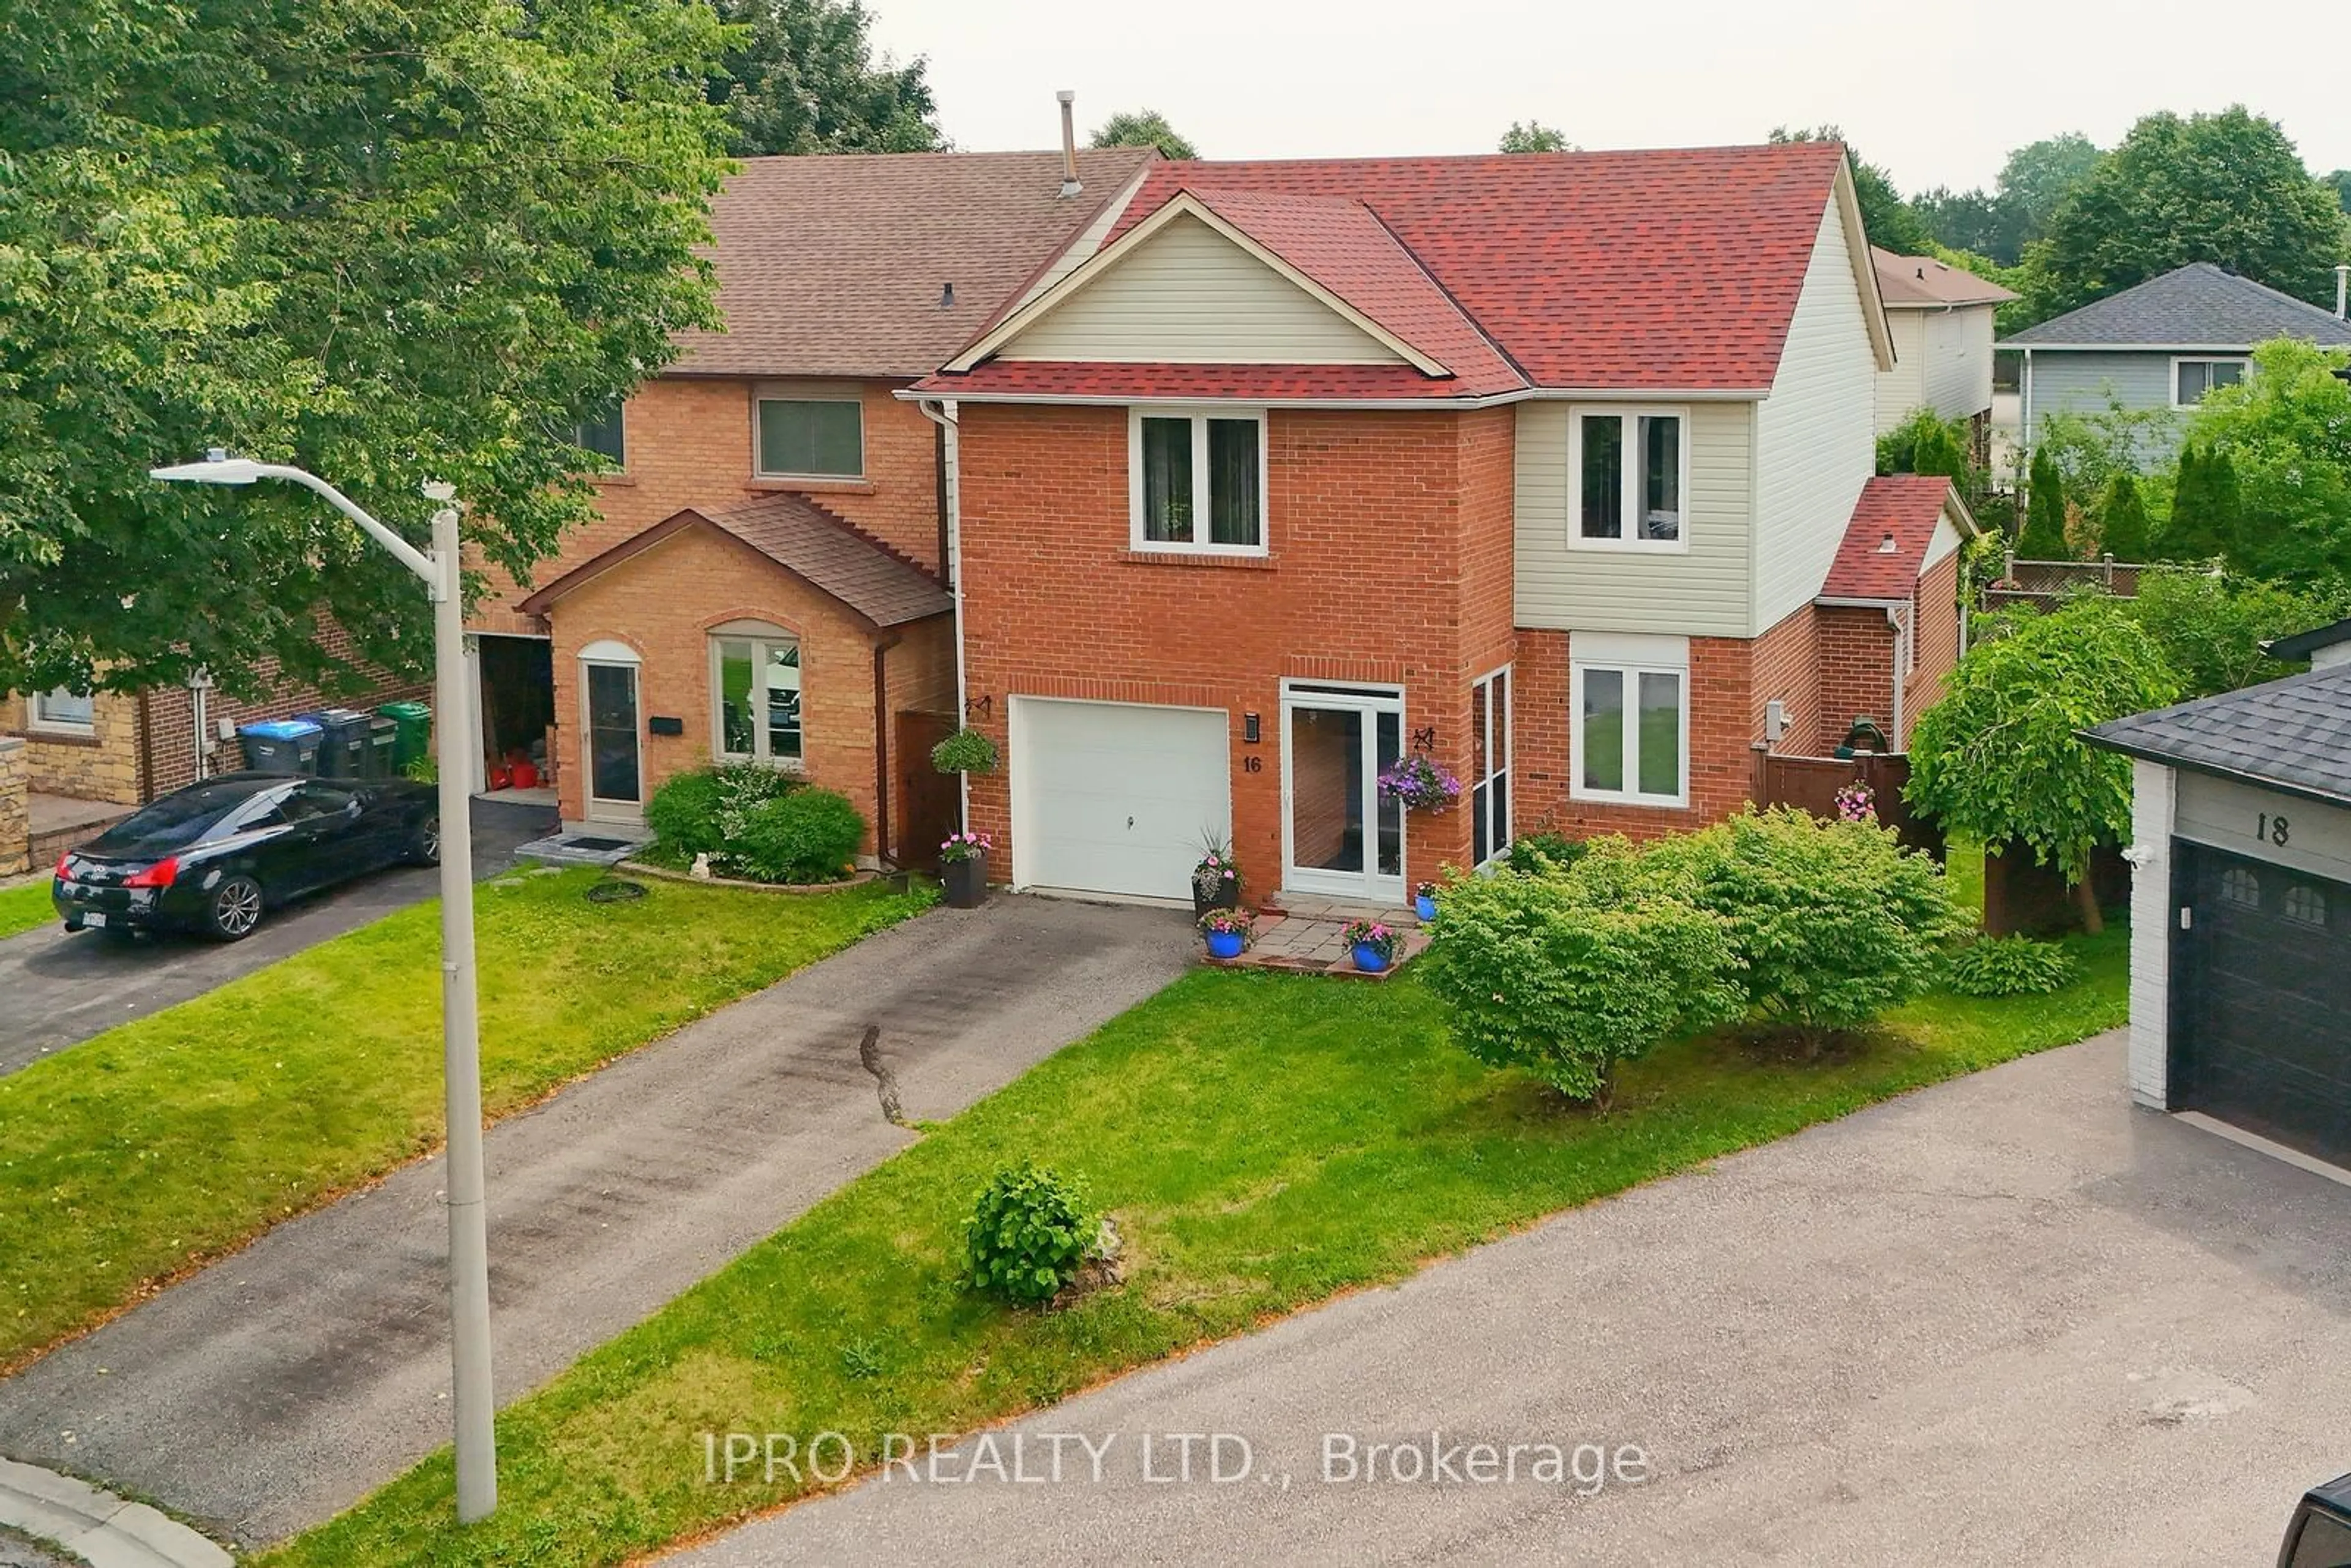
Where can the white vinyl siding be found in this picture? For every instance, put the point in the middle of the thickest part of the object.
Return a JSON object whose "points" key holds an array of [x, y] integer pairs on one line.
{"points": [[1189, 295], [1904, 387], [2230, 816], [2152, 919], [2067, 382], [1816, 441], [1701, 590], [1958, 362]]}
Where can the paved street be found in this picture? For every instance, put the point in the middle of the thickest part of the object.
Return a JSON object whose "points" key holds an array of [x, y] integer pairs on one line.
{"points": [[277, 1387], [60, 989], [2007, 1321]]}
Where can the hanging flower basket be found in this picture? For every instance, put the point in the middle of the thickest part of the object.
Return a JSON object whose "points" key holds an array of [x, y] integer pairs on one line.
{"points": [[1856, 802], [1421, 784]]}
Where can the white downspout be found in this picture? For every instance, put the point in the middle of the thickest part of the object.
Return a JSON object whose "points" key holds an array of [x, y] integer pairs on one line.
{"points": [[1900, 622], [942, 412]]}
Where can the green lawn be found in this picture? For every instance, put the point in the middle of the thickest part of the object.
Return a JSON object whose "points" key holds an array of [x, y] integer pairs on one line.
{"points": [[171, 1140], [23, 908], [1264, 1141]]}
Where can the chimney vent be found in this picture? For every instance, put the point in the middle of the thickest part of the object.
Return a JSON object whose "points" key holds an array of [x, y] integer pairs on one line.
{"points": [[2341, 288], [1070, 185]]}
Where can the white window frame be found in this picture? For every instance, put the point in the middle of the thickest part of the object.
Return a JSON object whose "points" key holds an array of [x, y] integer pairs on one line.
{"points": [[38, 719], [1500, 740], [1199, 415], [2244, 363], [1628, 415], [762, 638], [1634, 656], [761, 395]]}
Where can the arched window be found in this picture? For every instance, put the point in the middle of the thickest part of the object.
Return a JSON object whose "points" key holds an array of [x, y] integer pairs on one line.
{"points": [[2239, 885], [2306, 904]]}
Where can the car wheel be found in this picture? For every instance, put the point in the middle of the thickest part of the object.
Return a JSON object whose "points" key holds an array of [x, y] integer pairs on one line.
{"points": [[234, 909], [424, 844]]}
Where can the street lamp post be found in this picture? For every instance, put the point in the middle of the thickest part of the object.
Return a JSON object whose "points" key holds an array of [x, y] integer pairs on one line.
{"points": [[469, 1269]]}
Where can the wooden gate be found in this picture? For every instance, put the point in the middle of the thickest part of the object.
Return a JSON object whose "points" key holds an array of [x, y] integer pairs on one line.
{"points": [[930, 803], [1811, 783]]}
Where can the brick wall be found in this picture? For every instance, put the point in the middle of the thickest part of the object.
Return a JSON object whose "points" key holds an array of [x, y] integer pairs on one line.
{"points": [[1857, 671], [689, 443], [171, 733], [102, 765], [1936, 647], [16, 825], [1788, 670], [663, 605], [1389, 539]]}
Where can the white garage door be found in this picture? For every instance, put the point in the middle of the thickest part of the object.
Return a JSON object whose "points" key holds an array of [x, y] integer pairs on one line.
{"points": [[1117, 797]]}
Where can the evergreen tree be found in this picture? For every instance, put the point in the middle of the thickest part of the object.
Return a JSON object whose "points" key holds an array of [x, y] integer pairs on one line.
{"points": [[2237, 545], [2203, 509], [2122, 520], [2044, 513]]}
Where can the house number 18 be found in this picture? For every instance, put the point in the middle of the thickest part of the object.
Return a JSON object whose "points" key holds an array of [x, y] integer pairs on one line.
{"points": [[2272, 829]]}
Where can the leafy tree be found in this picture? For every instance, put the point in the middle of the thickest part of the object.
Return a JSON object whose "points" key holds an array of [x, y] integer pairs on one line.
{"points": [[1567, 973], [2284, 436], [1886, 217], [2000, 224], [1832, 922], [802, 78], [2044, 512], [2341, 181], [2210, 628], [2122, 519], [1535, 136], [2226, 188], [1997, 757], [1143, 127], [2090, 448], [390, 244], [1968, 221]]}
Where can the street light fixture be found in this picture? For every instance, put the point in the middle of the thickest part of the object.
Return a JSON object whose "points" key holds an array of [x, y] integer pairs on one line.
{"points": [[469, 1271]]}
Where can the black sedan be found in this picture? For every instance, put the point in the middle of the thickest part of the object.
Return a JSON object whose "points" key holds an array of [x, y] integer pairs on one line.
{"points": [[215, 857]]}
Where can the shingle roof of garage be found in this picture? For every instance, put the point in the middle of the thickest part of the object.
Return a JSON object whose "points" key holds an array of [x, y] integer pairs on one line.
{"points": [[2198, 305], [2292, 735]]}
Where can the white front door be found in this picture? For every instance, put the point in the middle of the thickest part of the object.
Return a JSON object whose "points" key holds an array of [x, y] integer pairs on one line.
{"points": [[1117, 797], [1340, 835], [615, 789]]}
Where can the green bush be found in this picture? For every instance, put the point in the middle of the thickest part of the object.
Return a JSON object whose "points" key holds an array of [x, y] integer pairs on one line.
{"points": [[965, 751], [744, 787], [2012, 966], [807, 835], [1566, 976], [1028, 1233], [683, 813], [1543, 850], [1832, 922]]}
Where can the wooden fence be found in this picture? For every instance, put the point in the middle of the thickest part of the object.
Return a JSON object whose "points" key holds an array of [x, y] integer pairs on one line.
{"points": [[1811, 784]]}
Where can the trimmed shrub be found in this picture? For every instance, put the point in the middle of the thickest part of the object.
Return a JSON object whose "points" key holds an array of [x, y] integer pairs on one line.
{"points": [[807, 835], [1543, 850], [1832, 922], [744, 787], [1029, 1231], [683, 813], [2012, 966], [1566, 976]]}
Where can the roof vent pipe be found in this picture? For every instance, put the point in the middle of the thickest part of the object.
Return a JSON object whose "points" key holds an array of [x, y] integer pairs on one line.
{"points": [[1069, 185], [2342, 287]]}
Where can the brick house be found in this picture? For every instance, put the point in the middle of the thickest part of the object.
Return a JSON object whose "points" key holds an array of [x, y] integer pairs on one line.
{"points": [[1536, 464], [767, 578]]}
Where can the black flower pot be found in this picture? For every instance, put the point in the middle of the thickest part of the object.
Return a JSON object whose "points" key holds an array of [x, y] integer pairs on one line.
{"points": [[1227, 895], [967, 882]]}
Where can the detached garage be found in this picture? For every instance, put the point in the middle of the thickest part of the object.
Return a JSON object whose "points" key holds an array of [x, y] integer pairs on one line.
{"points": [[2240, 909], [1117, 797]]}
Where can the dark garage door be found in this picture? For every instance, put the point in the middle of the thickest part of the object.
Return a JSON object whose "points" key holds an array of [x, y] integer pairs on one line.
{"points": [[2259, 1035]]}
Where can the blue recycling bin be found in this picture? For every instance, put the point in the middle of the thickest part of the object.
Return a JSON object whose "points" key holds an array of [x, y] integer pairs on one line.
{"points": [[282, 746]]}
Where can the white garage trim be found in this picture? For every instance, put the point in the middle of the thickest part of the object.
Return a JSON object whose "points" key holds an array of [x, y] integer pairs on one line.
{"points": [[1176, 790], [2152, 919]]}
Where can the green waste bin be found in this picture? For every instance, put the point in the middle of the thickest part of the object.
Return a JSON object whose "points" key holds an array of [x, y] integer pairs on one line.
{"points": [[412, 732]]}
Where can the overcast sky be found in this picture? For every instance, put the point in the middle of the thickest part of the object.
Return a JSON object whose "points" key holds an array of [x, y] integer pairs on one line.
{"points": [[1937, 93]]}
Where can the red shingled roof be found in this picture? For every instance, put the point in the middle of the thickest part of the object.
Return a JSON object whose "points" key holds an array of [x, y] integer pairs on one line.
{"points": [[1903, 508], [1131, 382], [1667, 271]]}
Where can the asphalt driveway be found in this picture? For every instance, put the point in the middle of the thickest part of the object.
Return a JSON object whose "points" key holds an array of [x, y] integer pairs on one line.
{"points": [[279, 1386], [60, 989], [2009, 1319]]}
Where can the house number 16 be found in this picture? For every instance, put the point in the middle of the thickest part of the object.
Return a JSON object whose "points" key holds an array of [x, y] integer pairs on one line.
{"points": [[2272, 829]]}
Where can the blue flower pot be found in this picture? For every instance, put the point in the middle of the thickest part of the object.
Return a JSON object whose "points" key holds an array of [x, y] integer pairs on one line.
{"points": [[1424, 906], [1370, 959], [1224, 943]]}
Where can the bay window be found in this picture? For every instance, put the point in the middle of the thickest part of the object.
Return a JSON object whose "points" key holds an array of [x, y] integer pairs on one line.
{"points": [[1197, 481], [1628, 478], [756, 681]]}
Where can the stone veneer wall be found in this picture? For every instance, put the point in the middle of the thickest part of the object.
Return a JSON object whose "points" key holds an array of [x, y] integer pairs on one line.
{"points": [[15, 823]]}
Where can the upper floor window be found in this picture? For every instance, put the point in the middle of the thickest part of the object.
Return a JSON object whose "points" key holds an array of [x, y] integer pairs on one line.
{"points": [[756, 675], [1197, 481], [63, 709], [1628, 478], [811, 437], [605, 436], [2191, 378]]}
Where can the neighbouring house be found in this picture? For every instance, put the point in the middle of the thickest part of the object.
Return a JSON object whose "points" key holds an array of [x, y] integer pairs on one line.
{"points": [[768, 580], [1940, 319], [2241, 903], [1537, 466], [2161, 344], [1889, 613]]}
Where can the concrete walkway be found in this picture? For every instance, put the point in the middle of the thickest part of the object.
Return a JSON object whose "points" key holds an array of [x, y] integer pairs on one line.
{"points": [[278, 1386], [2009, 1319]]}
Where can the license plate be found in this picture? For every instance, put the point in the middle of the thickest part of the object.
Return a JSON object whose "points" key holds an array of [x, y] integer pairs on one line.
{"points": [[93, 918]]}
